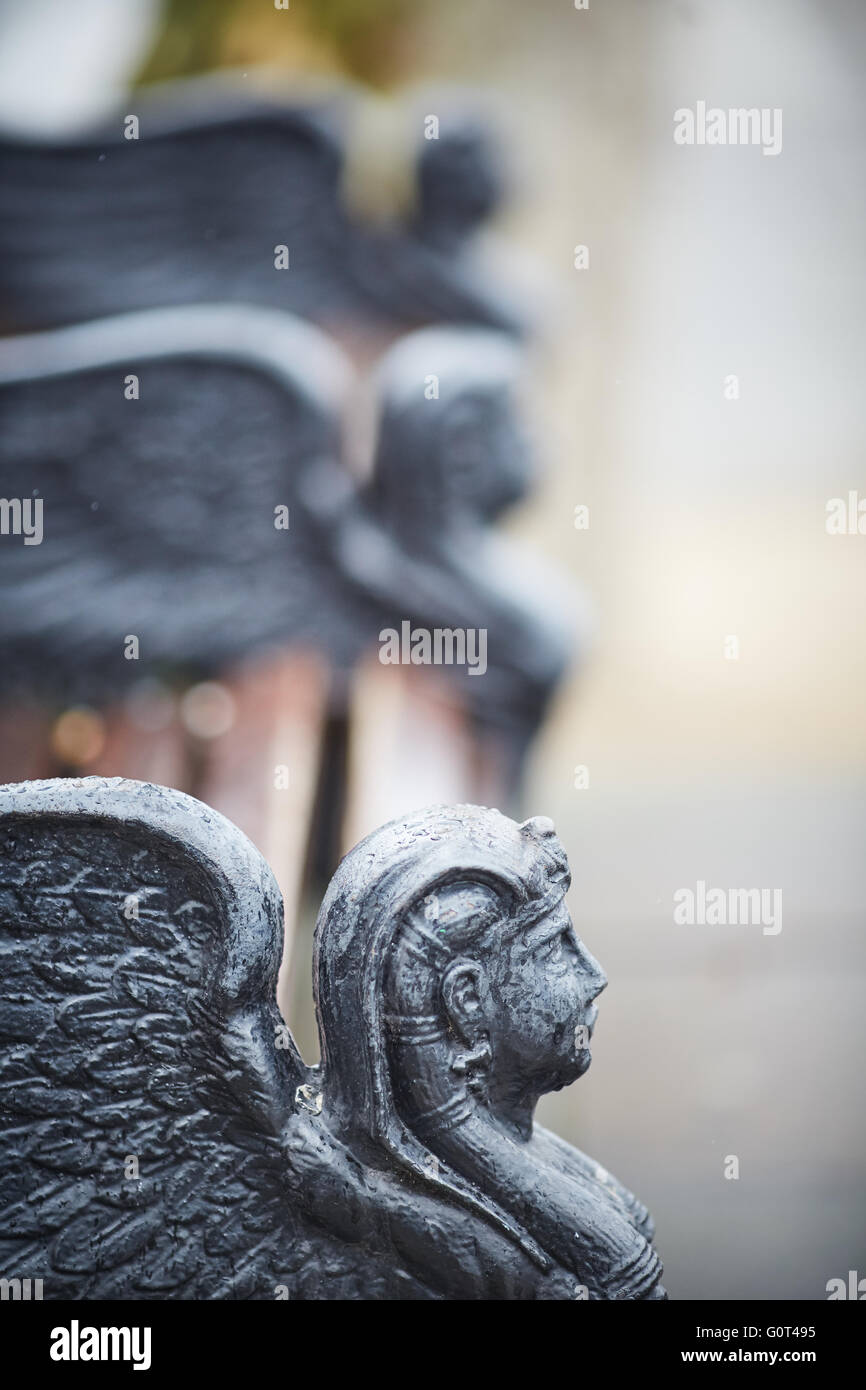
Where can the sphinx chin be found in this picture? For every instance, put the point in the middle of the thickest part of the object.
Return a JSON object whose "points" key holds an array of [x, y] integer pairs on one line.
{"points": [[578, 1065], [569, 1072]]}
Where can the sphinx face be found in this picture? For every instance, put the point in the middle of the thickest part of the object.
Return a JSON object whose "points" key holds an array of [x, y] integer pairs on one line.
{"points": [[542, 987], [484, 453], [460, 183]]}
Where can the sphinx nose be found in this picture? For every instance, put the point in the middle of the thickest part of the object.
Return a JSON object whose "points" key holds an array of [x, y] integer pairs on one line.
{"points": [[595, 977], [600, 983]]}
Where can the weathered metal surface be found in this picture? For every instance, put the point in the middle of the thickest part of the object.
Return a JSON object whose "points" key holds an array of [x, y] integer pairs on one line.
{"points": [[163, 1138]]}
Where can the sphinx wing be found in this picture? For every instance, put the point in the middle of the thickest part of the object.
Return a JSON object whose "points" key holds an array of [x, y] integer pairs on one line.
{"points": [[145, 1073], [187, 208], [156, 460]]}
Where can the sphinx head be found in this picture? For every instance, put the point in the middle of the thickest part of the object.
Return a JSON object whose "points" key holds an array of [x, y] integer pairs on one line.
{"points": [[449, 974], [461, 180], [505, 1008], [452, 448]]}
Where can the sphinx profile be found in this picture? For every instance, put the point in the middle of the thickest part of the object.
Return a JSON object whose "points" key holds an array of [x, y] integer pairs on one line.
{"points": [[161, 1135]]}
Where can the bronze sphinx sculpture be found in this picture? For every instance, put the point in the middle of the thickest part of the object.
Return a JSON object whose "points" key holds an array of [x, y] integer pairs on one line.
{"points": [[225, 482], [161, 1136]]}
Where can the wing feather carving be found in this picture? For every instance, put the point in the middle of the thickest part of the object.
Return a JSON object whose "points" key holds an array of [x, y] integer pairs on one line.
{"points": [[157, 1138]]}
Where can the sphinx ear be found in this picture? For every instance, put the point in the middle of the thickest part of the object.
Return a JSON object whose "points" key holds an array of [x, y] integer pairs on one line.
{"points": [[464, 987]]}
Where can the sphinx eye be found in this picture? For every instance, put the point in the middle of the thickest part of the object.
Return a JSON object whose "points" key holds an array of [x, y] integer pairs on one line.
{"points": [[552, 950]]}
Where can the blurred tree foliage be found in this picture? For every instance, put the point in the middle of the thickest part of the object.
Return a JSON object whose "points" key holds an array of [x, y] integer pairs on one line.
{"points": [[368, 39], [364, 33]]}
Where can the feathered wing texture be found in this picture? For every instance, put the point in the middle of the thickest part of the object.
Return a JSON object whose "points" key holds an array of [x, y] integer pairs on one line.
{"points": [[159, 513], [142, 1091], [153, 1140]]}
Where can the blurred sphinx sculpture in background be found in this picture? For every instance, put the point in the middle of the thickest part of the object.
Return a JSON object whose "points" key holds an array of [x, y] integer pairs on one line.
{"points": [[161, 509], [451, 457], [219, 193], [141, 934]]}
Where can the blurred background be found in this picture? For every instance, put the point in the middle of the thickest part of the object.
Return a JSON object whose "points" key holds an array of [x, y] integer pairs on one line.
{"points": [[706, 522]]}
